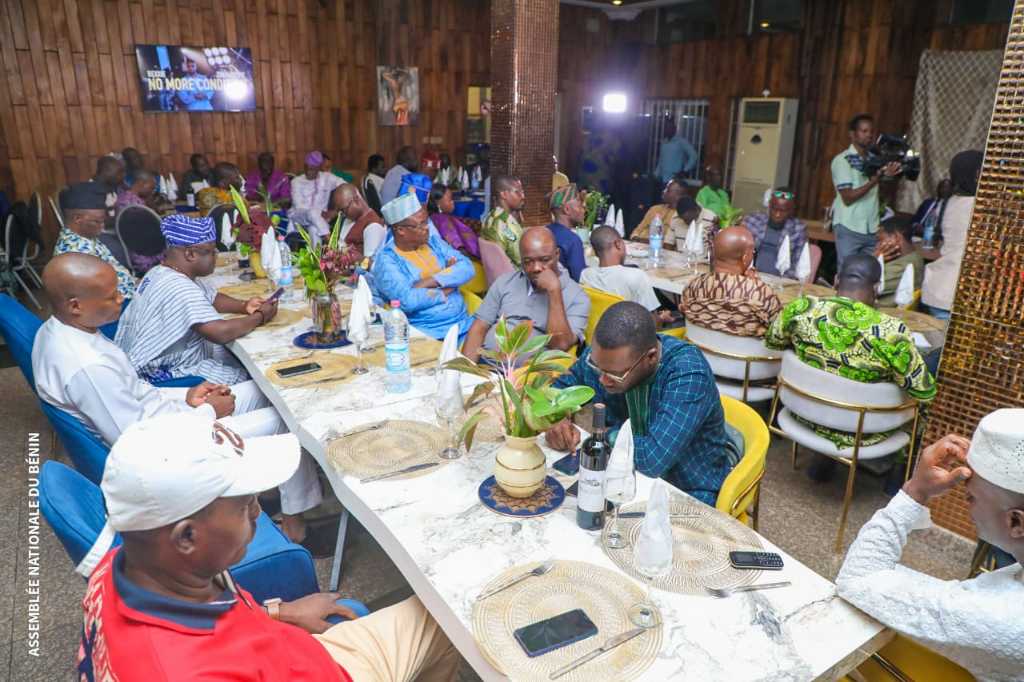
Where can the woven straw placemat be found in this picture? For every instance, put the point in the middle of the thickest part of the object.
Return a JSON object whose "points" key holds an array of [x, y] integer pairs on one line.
{"points": [[421, 352], [285, 317], [333, 367], [668, 273], [703, 539], [247, 290], [395, 444], [604, 595]]}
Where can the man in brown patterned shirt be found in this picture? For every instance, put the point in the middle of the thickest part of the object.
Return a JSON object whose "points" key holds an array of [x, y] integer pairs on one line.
{"points": [[731, 299]]}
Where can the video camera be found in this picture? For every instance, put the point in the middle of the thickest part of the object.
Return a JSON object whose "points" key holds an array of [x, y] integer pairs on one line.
{"points": [[889, 149]]}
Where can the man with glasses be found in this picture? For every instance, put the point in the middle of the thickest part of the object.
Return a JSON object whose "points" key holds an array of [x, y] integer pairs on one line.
{"points": [[540, 292], [770, 230], [665, 388], [362, 229], [421, 271], [84, 206], [173, 328]]}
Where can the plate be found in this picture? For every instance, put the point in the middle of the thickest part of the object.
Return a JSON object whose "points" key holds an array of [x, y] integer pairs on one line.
{"points": [[546, 500], [308, 340]]}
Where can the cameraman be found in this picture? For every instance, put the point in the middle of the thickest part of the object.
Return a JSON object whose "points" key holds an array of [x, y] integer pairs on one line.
{"points": [[855, 209]]}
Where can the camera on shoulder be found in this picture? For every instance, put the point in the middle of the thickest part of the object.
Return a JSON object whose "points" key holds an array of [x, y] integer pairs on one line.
{"points": [[892, 149]]}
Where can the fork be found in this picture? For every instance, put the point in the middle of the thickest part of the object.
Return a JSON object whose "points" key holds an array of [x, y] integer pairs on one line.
{"points": [[723, 592]]}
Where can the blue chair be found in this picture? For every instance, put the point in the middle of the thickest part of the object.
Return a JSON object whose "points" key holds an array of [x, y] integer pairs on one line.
{"points": [[109, 330], [87, 452], [272, 567], [19, 326]]}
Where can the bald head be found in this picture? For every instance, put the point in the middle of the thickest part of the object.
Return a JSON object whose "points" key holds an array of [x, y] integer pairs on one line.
{"points": [[537, 238], [539, 252], [347, 199], [858, 277], [734, 250], [82, 290]]}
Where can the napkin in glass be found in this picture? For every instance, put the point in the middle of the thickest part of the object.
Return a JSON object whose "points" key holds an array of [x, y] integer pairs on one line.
{"points": [[270, 255], [880, 287], [448, 385], [609, 217], [782, 259], [656, 530], [905, 289], [620, 462], [227, 238], [803, 266], [620, 225], [359, 317]]}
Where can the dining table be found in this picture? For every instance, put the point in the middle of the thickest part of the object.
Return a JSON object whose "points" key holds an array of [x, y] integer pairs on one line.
{"points": [[449, 546]]}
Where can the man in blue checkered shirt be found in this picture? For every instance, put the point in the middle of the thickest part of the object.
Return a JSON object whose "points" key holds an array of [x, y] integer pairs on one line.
{"points": [[665, 387]]}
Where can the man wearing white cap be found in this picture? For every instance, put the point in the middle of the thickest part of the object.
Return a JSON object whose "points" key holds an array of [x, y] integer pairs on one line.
{"points": [[977, 623], [421, 270], [182, 490]]}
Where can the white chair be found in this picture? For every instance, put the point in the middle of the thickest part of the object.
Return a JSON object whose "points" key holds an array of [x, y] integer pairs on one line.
{"points": [[736, 361], [836, 402]]}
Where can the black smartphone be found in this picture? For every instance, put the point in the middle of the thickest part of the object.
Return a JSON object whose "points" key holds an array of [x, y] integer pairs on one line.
{"points": [[761, 561], [276, 295], [297, 370], [553, 633], [568, 465]]}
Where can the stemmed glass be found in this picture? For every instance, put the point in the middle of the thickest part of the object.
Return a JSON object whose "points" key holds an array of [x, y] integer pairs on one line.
{"points": [[449, 409], [620, 488], [653, 558], [360, 368]]}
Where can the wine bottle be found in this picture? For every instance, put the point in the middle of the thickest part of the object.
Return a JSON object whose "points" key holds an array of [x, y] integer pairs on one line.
{"points": [[593, 462]]}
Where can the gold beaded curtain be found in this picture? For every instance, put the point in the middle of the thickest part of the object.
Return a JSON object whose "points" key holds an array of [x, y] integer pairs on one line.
{"points": [[981, 368], [524, 67]]}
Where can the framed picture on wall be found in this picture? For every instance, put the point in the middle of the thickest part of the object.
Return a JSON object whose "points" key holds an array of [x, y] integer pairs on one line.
{"points": [[398, 95]]}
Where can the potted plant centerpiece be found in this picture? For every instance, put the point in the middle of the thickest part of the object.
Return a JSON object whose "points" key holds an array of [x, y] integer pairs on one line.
{"points": [[522, 370], [249, 230], [322, 266]]}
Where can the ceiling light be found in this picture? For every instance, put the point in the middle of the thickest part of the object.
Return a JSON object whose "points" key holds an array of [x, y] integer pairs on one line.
{"points": [[765, 24], [616, 2], [614, 103]]}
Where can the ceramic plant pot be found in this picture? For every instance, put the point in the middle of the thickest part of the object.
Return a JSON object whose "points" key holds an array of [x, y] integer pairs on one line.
{"points": [[520, 467]]}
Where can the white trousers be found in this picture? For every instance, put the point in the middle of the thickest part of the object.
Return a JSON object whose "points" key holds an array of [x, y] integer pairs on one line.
{"points": [[254, 417]]}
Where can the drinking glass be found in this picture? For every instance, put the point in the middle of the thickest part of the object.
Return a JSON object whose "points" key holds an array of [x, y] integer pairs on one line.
{"points": [[653, 557], [620, 488], [448, 410], [360, 368]]}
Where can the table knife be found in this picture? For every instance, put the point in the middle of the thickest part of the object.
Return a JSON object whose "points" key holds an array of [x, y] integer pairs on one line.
{"points": [[603, 649], [642, 514], [406, 470]]}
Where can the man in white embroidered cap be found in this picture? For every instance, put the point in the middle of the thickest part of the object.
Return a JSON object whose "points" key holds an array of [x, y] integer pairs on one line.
{"points": [[181, 490], [976, 623]]}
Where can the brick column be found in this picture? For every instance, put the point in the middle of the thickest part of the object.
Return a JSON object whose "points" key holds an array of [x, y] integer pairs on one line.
{"points": [[524, 66]]}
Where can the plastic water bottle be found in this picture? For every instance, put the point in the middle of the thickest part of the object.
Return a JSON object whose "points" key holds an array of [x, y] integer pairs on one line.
{"points": [[654, 242], [285, 279], [929, 229], [396, 350]]}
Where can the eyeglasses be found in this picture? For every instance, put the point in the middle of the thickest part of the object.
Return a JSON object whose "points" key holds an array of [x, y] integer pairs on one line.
{"points": [[617, 378], [788, 196], [414, 226]]}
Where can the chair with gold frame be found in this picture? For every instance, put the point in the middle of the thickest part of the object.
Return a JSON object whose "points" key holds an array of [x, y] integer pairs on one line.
{"points": [[904, 660], [740, 496], [821, 398], [738, 359]]}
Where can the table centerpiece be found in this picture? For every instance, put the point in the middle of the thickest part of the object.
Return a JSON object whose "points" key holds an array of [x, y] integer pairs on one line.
{"points": [[323, 265]]}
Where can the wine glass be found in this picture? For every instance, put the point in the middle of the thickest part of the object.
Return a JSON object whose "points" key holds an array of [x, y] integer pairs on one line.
{"points": [[653, 558], [620, 488], [360, 368], [448, 409]]}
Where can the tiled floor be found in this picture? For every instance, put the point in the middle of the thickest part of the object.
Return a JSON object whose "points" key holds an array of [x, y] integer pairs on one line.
{"points": [[798, 515]]}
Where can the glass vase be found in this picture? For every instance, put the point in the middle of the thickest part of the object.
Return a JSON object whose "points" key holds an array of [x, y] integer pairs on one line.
{"points": [[327, 318]]}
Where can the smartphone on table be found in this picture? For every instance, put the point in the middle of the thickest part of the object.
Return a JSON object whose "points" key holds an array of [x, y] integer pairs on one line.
{"points": [[276, 295], [568, 465], [554, 633], [297, 370], [762, 561]]}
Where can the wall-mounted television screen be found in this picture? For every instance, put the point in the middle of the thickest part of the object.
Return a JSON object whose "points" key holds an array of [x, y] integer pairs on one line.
{"points": [[186, 78]]}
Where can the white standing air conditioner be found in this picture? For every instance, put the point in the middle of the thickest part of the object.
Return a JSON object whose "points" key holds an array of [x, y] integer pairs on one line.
{"points": [[764, 149]]}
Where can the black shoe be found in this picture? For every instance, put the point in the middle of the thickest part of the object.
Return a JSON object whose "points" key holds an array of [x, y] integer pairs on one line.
{"points": [[822, 469]]}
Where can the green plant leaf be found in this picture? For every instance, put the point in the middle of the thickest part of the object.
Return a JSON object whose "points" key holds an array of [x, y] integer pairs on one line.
{"points": [[240, 204], [479, 393], [520, 334], [468, 430], [533, 345], [467, 366], [501, 335], [335, 233]]}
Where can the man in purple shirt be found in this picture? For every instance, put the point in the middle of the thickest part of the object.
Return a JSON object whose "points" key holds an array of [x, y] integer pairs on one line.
{"points": [[771, 228], [265, 179], [566, 214]]}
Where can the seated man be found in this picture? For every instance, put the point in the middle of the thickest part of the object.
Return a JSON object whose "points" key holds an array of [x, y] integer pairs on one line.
{"points": [[109, 176], [771, 228], [421, 271], [85, 210], [225, 176], [143, 193], [731, 299], [612, 276], [197, 176], [311, 192], [501, 225], [672, 225], [173, 328], [181, 491], [897, 249], [845, 335], [566, 215], [665, 388], [266, 180], [712, 195], [88, 376], [540, 292], [976, 622], [362, 229]]}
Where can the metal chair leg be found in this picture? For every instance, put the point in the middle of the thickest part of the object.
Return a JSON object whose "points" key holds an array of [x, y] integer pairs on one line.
{"points": [[755, 509], [794, 455], [27, 289], [339, 551], [846, 505]]}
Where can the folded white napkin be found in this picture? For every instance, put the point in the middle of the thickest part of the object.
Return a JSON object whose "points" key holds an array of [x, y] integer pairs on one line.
{"points": [[360, 316], [655, 538], [464, 180], [690, 232], [168, 188], [448, 385], [620, 462], [174, 185], [905, 289], [620, 225], [803, 266], [226, 236], [782, 259], [609, 217], [270, 255], [880, 287]]}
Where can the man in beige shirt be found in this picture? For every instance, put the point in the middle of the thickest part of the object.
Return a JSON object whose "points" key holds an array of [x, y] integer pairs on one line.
{"points": [[672, 224]]}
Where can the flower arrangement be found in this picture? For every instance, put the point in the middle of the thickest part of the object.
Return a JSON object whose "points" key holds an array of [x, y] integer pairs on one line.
{"points": [[249, 228], [730, 217], [593, 204], [529, 404], [323, 265]]}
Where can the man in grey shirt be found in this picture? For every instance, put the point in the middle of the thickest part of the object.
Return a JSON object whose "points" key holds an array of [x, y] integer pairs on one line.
{"points": [[541, 291]]}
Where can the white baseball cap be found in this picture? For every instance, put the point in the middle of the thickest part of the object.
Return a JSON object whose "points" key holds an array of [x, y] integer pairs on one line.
{"points": [[165, 469], [997, 449]]}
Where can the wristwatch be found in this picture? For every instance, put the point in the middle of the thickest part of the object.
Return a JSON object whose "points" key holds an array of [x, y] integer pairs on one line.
{"points": [[273, 607]]}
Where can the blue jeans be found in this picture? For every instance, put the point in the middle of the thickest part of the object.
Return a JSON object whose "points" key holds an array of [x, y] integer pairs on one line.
{"points": [[849, 243]]}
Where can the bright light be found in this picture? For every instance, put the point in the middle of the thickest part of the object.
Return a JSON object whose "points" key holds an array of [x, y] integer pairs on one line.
{"points": [[614, 103], [236, 89], [616, 2], [765, 24]]}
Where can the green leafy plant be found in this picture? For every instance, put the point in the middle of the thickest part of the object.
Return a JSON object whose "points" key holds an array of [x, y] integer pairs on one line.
{"points": [[323, 265], [730, 217], [592, 205], [529, 404]]}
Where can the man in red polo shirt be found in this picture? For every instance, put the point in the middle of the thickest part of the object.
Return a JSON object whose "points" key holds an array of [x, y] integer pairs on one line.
{"points": [[181, 489]]}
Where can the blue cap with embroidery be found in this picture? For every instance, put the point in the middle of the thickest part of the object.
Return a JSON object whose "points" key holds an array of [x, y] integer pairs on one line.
{"points": [[183, 230]]}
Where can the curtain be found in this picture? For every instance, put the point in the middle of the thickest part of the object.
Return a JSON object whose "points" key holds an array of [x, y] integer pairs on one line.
{"points": [[952, 110]]}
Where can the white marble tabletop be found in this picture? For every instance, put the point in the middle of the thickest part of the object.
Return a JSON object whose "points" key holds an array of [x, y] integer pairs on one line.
{"points": [[448, 545]]}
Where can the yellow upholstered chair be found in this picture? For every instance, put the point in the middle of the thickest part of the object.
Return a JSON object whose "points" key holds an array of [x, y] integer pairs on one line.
{"points": [[472, 300], [477, 285], [600, 301], [903, 660], [741, 490], [675, 332]]}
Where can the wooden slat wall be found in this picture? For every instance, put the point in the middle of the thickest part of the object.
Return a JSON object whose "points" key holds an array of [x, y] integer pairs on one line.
{"points": [[851, 56], [70, 92]]}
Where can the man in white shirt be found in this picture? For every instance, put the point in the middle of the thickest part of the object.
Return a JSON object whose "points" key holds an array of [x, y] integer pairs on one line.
{"points": [[976, 623], [408, 162], [80, 371], [612, 276], [311, 193]]}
